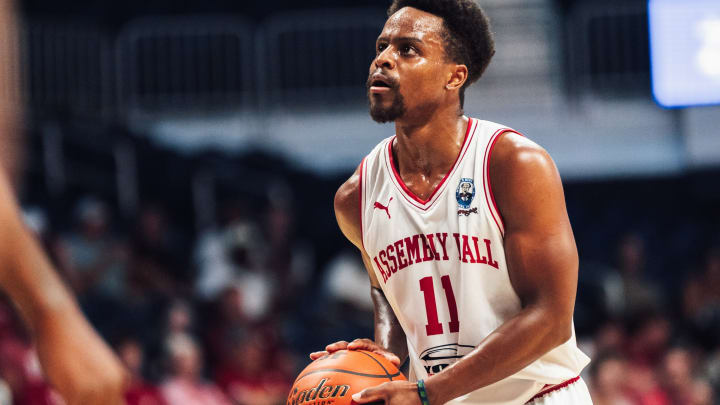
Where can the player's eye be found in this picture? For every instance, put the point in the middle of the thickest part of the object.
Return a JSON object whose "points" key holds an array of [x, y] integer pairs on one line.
{"points": [[381, 47], [406, 49]]}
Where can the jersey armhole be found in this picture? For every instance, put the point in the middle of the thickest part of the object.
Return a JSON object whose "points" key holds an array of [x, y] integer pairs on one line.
{"points": [[489, 196]]}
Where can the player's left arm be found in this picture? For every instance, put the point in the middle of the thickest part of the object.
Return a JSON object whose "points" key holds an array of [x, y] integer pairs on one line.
{"points": [[542, 262]]}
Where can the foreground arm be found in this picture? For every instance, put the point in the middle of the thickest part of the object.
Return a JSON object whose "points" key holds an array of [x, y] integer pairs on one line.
{"points": [[389, 336], [75, 360], [542, 262]]}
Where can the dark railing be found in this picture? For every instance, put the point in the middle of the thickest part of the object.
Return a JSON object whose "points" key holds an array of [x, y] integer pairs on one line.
{"points": [[303, 58], [185, 63], [608, 48], [67, 68]]}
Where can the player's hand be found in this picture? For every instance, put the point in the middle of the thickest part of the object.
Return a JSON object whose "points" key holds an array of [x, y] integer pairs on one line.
{"points": [[79, 365], [357, 344], [389, 393]]}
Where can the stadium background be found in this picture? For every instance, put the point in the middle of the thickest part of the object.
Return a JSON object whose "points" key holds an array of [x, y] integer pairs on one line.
{"points": [[180, 160]]}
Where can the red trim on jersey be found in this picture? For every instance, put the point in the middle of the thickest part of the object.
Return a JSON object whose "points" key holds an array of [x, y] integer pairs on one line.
{"points": [[408, 199], [487, 186], [459, 157], [552, 389], [360, 191]]}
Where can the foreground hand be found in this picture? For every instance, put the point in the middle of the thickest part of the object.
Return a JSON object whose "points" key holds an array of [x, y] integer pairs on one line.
{"points": [[357, 344], [390, 393]]}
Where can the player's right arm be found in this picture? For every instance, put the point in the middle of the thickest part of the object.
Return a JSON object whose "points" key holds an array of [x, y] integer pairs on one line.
{"points": [[389, 336]]}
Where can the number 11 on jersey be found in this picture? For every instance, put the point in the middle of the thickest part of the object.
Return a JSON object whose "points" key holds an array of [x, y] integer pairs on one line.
{"points": [[434, 327]]}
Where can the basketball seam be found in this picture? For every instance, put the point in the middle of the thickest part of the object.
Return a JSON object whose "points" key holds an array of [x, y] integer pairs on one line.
{"points": [[387, 373], [337, 370]]}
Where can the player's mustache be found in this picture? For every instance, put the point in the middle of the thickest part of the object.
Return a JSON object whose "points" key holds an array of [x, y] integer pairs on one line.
{"points": [[391, 82]]}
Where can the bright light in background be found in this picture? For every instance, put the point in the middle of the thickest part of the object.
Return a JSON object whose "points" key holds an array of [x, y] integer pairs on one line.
{"points": [[709, 56], [685, 51]]}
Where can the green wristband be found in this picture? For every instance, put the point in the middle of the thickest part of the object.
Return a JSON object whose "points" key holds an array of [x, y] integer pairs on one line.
{"points": [[422, 392]]}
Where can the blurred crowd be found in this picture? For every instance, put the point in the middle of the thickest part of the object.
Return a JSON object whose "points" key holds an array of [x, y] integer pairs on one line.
{"points": [[195, 323], [228, 316], [644, 350]]}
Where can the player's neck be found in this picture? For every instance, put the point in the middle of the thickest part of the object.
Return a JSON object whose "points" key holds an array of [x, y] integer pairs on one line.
{"points": [[429, 145]]}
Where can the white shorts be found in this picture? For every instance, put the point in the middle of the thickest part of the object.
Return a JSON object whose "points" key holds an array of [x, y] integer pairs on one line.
{"points": [[573, 392]]}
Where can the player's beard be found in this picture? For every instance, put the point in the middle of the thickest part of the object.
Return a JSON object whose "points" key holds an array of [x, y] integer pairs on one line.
{"points": [[388, 114]]}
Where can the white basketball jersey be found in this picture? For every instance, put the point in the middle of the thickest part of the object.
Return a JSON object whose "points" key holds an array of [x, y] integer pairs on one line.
{"points": [[441, 264]]}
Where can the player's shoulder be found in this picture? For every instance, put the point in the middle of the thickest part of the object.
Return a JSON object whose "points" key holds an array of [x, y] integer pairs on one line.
{"points": [[518, 156], [351, 187], [513, 150], [519, 167], [347, 197]]}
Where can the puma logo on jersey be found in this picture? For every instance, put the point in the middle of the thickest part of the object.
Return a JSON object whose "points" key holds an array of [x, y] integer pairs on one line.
{"points": [[384, 207]]}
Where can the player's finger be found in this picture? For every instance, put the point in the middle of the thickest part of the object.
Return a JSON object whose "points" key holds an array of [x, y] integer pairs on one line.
{"points": [[333, 347], [367, 344], [359, 344], [369, 395], [391, 357], [317, 355]]}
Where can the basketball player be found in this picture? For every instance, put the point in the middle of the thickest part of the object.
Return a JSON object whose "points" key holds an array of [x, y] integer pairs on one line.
{"points": [[75, 360], [463, 229]]}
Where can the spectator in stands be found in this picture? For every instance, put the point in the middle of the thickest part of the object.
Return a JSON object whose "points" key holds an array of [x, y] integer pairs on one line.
{"points": [[237, 258], [139, 391], [680, 380], [607, 379], [645, 349], [643, 387], [702, 393], [95, 263], [226, 322], [156, 259], [701, 299], [20, 368], [711, 368], [344, 274], [627, 290], [38, 222], [96, 259], [214, 269], [180, 319], [5, 393], [649, 341], [289, 259], [185, 384], [250, 375], [610, 337], [676, 375]]}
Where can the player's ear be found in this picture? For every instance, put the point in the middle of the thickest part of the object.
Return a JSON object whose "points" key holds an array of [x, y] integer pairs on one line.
{"points": [[457, 77]]}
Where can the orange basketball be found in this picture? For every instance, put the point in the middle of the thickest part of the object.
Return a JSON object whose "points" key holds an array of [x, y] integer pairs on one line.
{"points": [[333, 379]]}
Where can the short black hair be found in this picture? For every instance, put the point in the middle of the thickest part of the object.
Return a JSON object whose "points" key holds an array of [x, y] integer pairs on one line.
{"points": [[468, 38]]}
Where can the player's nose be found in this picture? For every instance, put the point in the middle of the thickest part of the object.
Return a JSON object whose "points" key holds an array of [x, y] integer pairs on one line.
{"points": [[384, 59]]}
